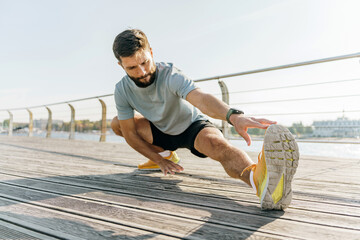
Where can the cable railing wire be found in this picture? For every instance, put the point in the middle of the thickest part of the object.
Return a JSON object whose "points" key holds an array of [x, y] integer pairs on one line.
{"points": [[330, 59], [299, 64], [58, 103], [303, 113], [294, 86], [290, 86], [296, 99]]}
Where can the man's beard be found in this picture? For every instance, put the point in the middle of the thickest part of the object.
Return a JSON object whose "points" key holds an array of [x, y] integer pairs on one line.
{"points": [[144, 84]]}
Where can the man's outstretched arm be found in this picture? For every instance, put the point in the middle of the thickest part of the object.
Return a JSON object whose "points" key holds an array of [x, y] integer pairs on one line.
{"points": [[215, 108]]}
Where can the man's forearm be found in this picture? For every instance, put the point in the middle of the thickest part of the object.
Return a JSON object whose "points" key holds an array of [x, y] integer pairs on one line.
{"points": [[143, 147], [213, 107]]}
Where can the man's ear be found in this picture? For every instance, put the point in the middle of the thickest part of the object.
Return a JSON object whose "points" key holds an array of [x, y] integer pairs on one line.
{"points": [[120, 64]]}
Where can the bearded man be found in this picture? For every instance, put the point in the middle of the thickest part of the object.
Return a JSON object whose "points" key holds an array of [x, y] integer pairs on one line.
{"points": [[168, 103]]}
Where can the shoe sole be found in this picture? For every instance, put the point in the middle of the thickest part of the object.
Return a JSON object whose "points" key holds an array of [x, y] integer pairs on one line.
{"points": [[282, 158], [153, 169], [149, 169]]}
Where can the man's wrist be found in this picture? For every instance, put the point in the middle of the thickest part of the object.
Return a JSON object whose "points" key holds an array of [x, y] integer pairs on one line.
{"points": [[233, 118], [231, 113]]}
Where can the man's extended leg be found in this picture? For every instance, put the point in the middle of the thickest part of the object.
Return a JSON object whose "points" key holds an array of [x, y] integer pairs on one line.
{"points": [[211, 142], [271, 177]]}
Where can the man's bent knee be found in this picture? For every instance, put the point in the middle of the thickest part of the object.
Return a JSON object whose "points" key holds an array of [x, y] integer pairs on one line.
{"points": [[219, 148], [211, 143], [115, 126]]}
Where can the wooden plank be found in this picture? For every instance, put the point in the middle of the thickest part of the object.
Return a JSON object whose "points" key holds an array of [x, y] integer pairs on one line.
{"points": [[152, 183], [62, 225], [166, 224], [295, 181], [218, 215], [239, 186], [12, 231], [328, 209]]}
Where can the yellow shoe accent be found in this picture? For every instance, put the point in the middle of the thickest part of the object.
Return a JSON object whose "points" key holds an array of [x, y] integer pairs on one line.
{"points": [[277, 163], [260, 176], [150, 165], [278, 192]]}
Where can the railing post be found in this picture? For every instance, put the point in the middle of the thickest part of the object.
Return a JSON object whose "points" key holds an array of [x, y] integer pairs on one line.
{"points": [[31, 123], [10, 132], [103, 121], [49, 124], [225, 98], [72, 122]]}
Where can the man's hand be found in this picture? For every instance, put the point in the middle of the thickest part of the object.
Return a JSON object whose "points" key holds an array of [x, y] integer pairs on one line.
{"points": [[242, 123], [215, 108], [168, 166]]}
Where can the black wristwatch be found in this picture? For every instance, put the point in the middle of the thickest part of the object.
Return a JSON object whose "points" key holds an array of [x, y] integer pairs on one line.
{"points": [[232, 111]]}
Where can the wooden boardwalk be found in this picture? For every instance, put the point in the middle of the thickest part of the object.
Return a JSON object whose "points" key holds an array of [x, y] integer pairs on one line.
{"points": [[62, 189]]}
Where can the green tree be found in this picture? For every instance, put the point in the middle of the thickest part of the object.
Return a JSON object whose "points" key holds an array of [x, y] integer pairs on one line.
{"points": [[6, 123]]}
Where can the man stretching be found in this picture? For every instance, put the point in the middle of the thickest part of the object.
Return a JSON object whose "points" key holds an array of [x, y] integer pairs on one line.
{"points": [[169, 105]]}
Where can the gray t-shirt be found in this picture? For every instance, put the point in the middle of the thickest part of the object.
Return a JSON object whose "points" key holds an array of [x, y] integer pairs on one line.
{"points": [[163, 102]]}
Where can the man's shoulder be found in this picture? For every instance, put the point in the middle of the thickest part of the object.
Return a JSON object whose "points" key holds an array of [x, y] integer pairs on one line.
{"points": [[169, 71], [168, 67], [123, 81], [164, 65], [164, 69], [121, 86]]}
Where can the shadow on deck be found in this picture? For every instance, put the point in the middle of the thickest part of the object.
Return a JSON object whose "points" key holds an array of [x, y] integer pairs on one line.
{"points": [[53, 188]]}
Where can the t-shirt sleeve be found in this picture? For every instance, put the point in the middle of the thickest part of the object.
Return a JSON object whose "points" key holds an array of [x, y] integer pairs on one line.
{"points": [[180, 84], [124, 110]]}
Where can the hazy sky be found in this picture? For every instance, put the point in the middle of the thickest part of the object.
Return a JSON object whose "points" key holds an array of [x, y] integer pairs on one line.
{"points": [[52, 51]]}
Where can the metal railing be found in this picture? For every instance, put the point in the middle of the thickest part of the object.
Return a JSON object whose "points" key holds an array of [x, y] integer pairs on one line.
{"points": [[224, 93]]}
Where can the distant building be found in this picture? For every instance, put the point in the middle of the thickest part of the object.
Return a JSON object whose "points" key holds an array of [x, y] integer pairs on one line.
{"points": [[40, 123], [341, 127]]}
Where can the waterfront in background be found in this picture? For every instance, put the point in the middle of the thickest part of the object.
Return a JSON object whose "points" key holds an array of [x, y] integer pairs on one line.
{"points": [[306, 149]]}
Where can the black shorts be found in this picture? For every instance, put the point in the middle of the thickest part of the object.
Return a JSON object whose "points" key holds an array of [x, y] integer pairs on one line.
{"points": [[183, 140]]}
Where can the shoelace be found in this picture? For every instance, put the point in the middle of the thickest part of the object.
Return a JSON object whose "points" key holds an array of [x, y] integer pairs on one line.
{"points": [[252, 166]]}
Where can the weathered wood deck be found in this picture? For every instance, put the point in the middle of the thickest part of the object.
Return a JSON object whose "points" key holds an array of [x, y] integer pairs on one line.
{"points": [[61, 189]]}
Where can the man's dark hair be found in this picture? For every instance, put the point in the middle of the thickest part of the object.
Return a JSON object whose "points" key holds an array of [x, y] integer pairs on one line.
{"points": [[127, 43]]}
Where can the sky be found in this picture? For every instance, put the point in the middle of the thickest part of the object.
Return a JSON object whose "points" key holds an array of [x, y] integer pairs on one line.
{"points": [[55, 51]]}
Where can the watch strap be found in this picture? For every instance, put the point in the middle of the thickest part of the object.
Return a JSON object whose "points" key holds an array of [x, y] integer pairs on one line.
{"points": [[232, 111]]}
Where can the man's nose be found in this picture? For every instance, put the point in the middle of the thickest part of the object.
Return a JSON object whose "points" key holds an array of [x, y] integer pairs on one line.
{"points": [[142, 70]]}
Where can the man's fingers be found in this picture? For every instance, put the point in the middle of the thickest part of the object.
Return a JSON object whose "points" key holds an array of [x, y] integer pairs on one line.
{"points": [[176, 167], [244, 123], [166, 171], [172, 168], [258, 125], [246, 137], [179, 168], [264, 121], [261, 123]]}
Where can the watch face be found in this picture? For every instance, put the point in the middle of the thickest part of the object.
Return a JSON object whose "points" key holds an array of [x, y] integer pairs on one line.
{"points": [[236, 111]]}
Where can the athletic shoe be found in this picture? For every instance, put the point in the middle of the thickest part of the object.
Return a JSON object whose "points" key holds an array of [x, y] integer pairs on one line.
{"points": [[272, 175], [150, 165]]}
